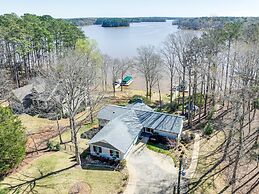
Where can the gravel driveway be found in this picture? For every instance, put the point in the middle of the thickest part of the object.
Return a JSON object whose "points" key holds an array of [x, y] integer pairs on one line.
{"points": [[149, 172]]}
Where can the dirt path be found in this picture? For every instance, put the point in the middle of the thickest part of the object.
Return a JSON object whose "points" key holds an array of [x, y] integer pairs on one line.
{"points": [[195, 155]]}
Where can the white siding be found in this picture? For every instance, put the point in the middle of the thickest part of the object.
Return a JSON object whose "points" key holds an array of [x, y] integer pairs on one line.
{"points": [[105, 152]]}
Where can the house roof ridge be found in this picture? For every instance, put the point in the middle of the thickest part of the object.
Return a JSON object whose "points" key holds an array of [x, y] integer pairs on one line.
{"points": [[174, 115]]}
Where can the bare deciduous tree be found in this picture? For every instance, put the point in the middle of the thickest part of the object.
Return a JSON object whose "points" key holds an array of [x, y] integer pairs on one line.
{"points": [[148, 64], [180, 43], [106, 63], [169, 58], [69, 82]]}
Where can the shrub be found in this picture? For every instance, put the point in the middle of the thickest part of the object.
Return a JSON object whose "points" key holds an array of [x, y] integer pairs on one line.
{"points": [[211, 113], [192, 136], [122, 165], [137, 98], [90, 133], [3, 191], [52, 147], [185, 138], [85, 153], [12, 141], [208, 129], [169, 107], [57, 147], [201, 125]]}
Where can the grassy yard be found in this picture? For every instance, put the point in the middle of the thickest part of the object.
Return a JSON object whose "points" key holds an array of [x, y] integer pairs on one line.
{"points": [[128, 92], [99, 181], [66, 136], [34, 124]]}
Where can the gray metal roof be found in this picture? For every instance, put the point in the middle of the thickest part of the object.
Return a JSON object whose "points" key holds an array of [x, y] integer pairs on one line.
{"points": [[126, 124], [160, 121], [139, 106], [120, 132], [110, 112]]}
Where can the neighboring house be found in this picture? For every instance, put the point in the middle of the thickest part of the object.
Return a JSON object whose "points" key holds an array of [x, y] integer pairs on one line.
{"points": [[24, 97], [31, 98], [122, 126]]}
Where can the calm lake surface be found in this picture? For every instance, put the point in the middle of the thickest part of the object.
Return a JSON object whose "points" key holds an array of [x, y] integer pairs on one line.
{"points": [[124, 41]]}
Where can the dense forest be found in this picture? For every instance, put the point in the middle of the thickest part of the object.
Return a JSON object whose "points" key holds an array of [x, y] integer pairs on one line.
{"points": [[30, 41], [99, 21], [115, 22], [81, 21], [200, 23]]}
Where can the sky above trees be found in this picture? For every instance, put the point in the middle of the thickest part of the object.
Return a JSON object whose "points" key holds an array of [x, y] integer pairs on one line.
{"points": [[128, 8]]}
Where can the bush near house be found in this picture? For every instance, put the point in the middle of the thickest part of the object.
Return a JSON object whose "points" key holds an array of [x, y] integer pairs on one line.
{"points": [[167, 107], [95, 161], [162, 142], [122, 165], [136, 98], [90, 133]]}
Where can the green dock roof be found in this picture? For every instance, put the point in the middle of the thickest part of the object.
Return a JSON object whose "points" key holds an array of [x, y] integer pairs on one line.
{"points": [[127, 78]]}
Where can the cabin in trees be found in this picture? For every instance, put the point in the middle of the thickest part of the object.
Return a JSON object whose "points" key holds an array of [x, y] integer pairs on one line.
{"points": [[122, 126], [30, 98]]}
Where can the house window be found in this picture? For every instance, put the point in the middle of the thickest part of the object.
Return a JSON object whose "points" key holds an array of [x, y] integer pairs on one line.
{"points": [[114, 153], [97, 149]]}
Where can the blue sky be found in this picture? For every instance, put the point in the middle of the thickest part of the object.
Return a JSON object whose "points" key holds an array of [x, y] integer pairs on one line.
{"points": [[128, 8]]}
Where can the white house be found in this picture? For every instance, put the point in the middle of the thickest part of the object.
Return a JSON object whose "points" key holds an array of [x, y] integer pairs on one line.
{"points": [[122, 126]]}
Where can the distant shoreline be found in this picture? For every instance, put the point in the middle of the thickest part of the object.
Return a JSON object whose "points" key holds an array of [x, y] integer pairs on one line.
{"points": [[184, 23]]}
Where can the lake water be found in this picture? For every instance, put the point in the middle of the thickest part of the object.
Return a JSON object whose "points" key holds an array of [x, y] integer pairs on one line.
{"points": [[124, 41]]}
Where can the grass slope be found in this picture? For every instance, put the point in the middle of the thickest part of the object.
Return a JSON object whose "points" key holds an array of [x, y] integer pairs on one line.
{"points": [[99, 181]]}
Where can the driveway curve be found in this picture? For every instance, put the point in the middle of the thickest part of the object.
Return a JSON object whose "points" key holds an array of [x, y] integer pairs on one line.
{"points": [[149, 172]]}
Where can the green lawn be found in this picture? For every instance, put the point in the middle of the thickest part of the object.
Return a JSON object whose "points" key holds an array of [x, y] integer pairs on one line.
{"points": [[99, 181]]}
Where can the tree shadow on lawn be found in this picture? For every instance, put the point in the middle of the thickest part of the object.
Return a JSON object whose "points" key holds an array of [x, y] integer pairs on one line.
{"points": [[29, 185]]}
